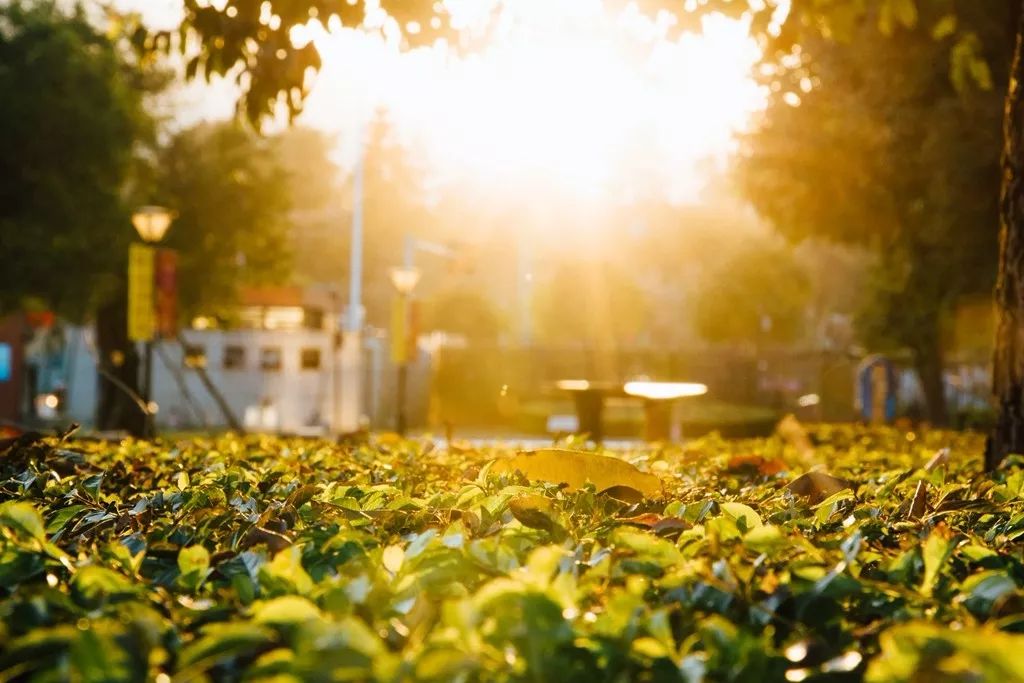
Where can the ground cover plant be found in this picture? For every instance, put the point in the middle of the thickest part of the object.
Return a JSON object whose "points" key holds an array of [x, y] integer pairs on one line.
{"points": [[265, 559]]}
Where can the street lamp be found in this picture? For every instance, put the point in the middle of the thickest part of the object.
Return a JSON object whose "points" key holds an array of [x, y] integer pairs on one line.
{"points": [[404, 280], [152, 223]]}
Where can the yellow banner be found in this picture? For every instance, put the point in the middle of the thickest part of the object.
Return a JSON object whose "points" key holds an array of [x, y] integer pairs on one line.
{"points": [[141, 309]]}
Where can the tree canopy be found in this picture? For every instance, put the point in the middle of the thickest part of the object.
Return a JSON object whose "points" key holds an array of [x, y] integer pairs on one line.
{"points": [[232, 196], [761, 295], [596, 304], [67, 152], [882, 149], [252, 42]]}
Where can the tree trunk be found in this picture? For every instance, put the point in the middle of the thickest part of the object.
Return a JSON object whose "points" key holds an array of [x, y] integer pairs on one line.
{"points": [[929, 366], [1008, 360]]}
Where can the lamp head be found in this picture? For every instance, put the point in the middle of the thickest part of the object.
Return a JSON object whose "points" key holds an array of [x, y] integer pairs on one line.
{"points": [[404, 280], [152, 222]]}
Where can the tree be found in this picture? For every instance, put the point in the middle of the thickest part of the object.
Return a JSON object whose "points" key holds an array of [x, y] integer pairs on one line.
{"points": [[231, 193], [881, 149], [71, 117], [318, 217], [71, 120], [760, 295]]}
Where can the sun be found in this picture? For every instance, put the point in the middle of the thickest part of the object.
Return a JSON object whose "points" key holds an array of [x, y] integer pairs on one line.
{"points": [[565, 96]]}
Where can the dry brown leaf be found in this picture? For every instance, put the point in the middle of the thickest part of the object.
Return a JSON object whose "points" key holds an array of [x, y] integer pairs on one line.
{"points": [[626, 494], [656, 523], [576, 468], [532, 511], [648, 519], [919, 503], [470, 520], [817, 486], [940, 458], [755, 464], [274, 541]]}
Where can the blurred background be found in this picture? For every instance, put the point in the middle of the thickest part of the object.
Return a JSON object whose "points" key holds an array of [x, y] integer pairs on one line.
{"points": [[439, 238]]}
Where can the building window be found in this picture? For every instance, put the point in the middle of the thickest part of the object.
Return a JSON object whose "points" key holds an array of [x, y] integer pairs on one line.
{"points": [[310, 359], [195, 356], [234, 357], [270, 358]]}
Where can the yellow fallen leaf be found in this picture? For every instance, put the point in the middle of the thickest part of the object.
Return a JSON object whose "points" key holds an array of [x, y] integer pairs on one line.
{"points": [[576, 468]]}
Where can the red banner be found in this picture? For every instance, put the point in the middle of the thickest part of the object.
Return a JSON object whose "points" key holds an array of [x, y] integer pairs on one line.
{"points": [[166, 290]]}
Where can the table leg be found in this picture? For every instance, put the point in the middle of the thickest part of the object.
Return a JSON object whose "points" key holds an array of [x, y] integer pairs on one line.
{"points": [[657, 420], [590, 413]]}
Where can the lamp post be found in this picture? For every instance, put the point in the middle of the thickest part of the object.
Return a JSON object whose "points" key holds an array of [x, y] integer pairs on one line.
{"points": [[152, 223], [404, 280]]}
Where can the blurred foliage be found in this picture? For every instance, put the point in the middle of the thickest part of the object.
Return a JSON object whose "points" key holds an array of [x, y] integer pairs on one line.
{"points": [[394, 208], [760, 295], [464, 312], [872, 142], [68, 151], [596, 304], [232, 196], [265, 559]]}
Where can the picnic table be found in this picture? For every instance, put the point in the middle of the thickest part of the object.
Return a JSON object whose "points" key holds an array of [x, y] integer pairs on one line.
{"points": [[658, 397]]}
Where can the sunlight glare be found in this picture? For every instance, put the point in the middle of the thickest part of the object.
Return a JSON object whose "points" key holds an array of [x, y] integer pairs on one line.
{"points": [[563, 96]]}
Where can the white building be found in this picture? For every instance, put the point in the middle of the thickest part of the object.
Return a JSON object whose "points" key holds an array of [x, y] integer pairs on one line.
{"points": [[276, 365]]}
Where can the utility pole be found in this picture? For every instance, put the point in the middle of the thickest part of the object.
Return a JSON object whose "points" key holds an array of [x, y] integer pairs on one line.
{"points": [[349, 411]]}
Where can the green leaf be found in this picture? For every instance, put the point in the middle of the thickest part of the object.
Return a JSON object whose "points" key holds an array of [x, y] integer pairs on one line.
{"points": [[95, 583], [221, 642], [923, 651], [968, 65], [944, 27], [983, 590], [937, 549], [287, 609], [91, 486], [24, 519], [195, 559], [745, 516], [765, 539], [905, 12], [194, 565], [285, 573], [646, 547], [61, 518], [830, 505]]}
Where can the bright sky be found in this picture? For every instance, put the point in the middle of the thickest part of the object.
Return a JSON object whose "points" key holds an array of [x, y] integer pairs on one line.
{"points": [[565, 95]]}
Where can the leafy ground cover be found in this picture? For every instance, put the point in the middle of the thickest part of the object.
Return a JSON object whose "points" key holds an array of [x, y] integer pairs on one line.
{"points": [[263, 559]]}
